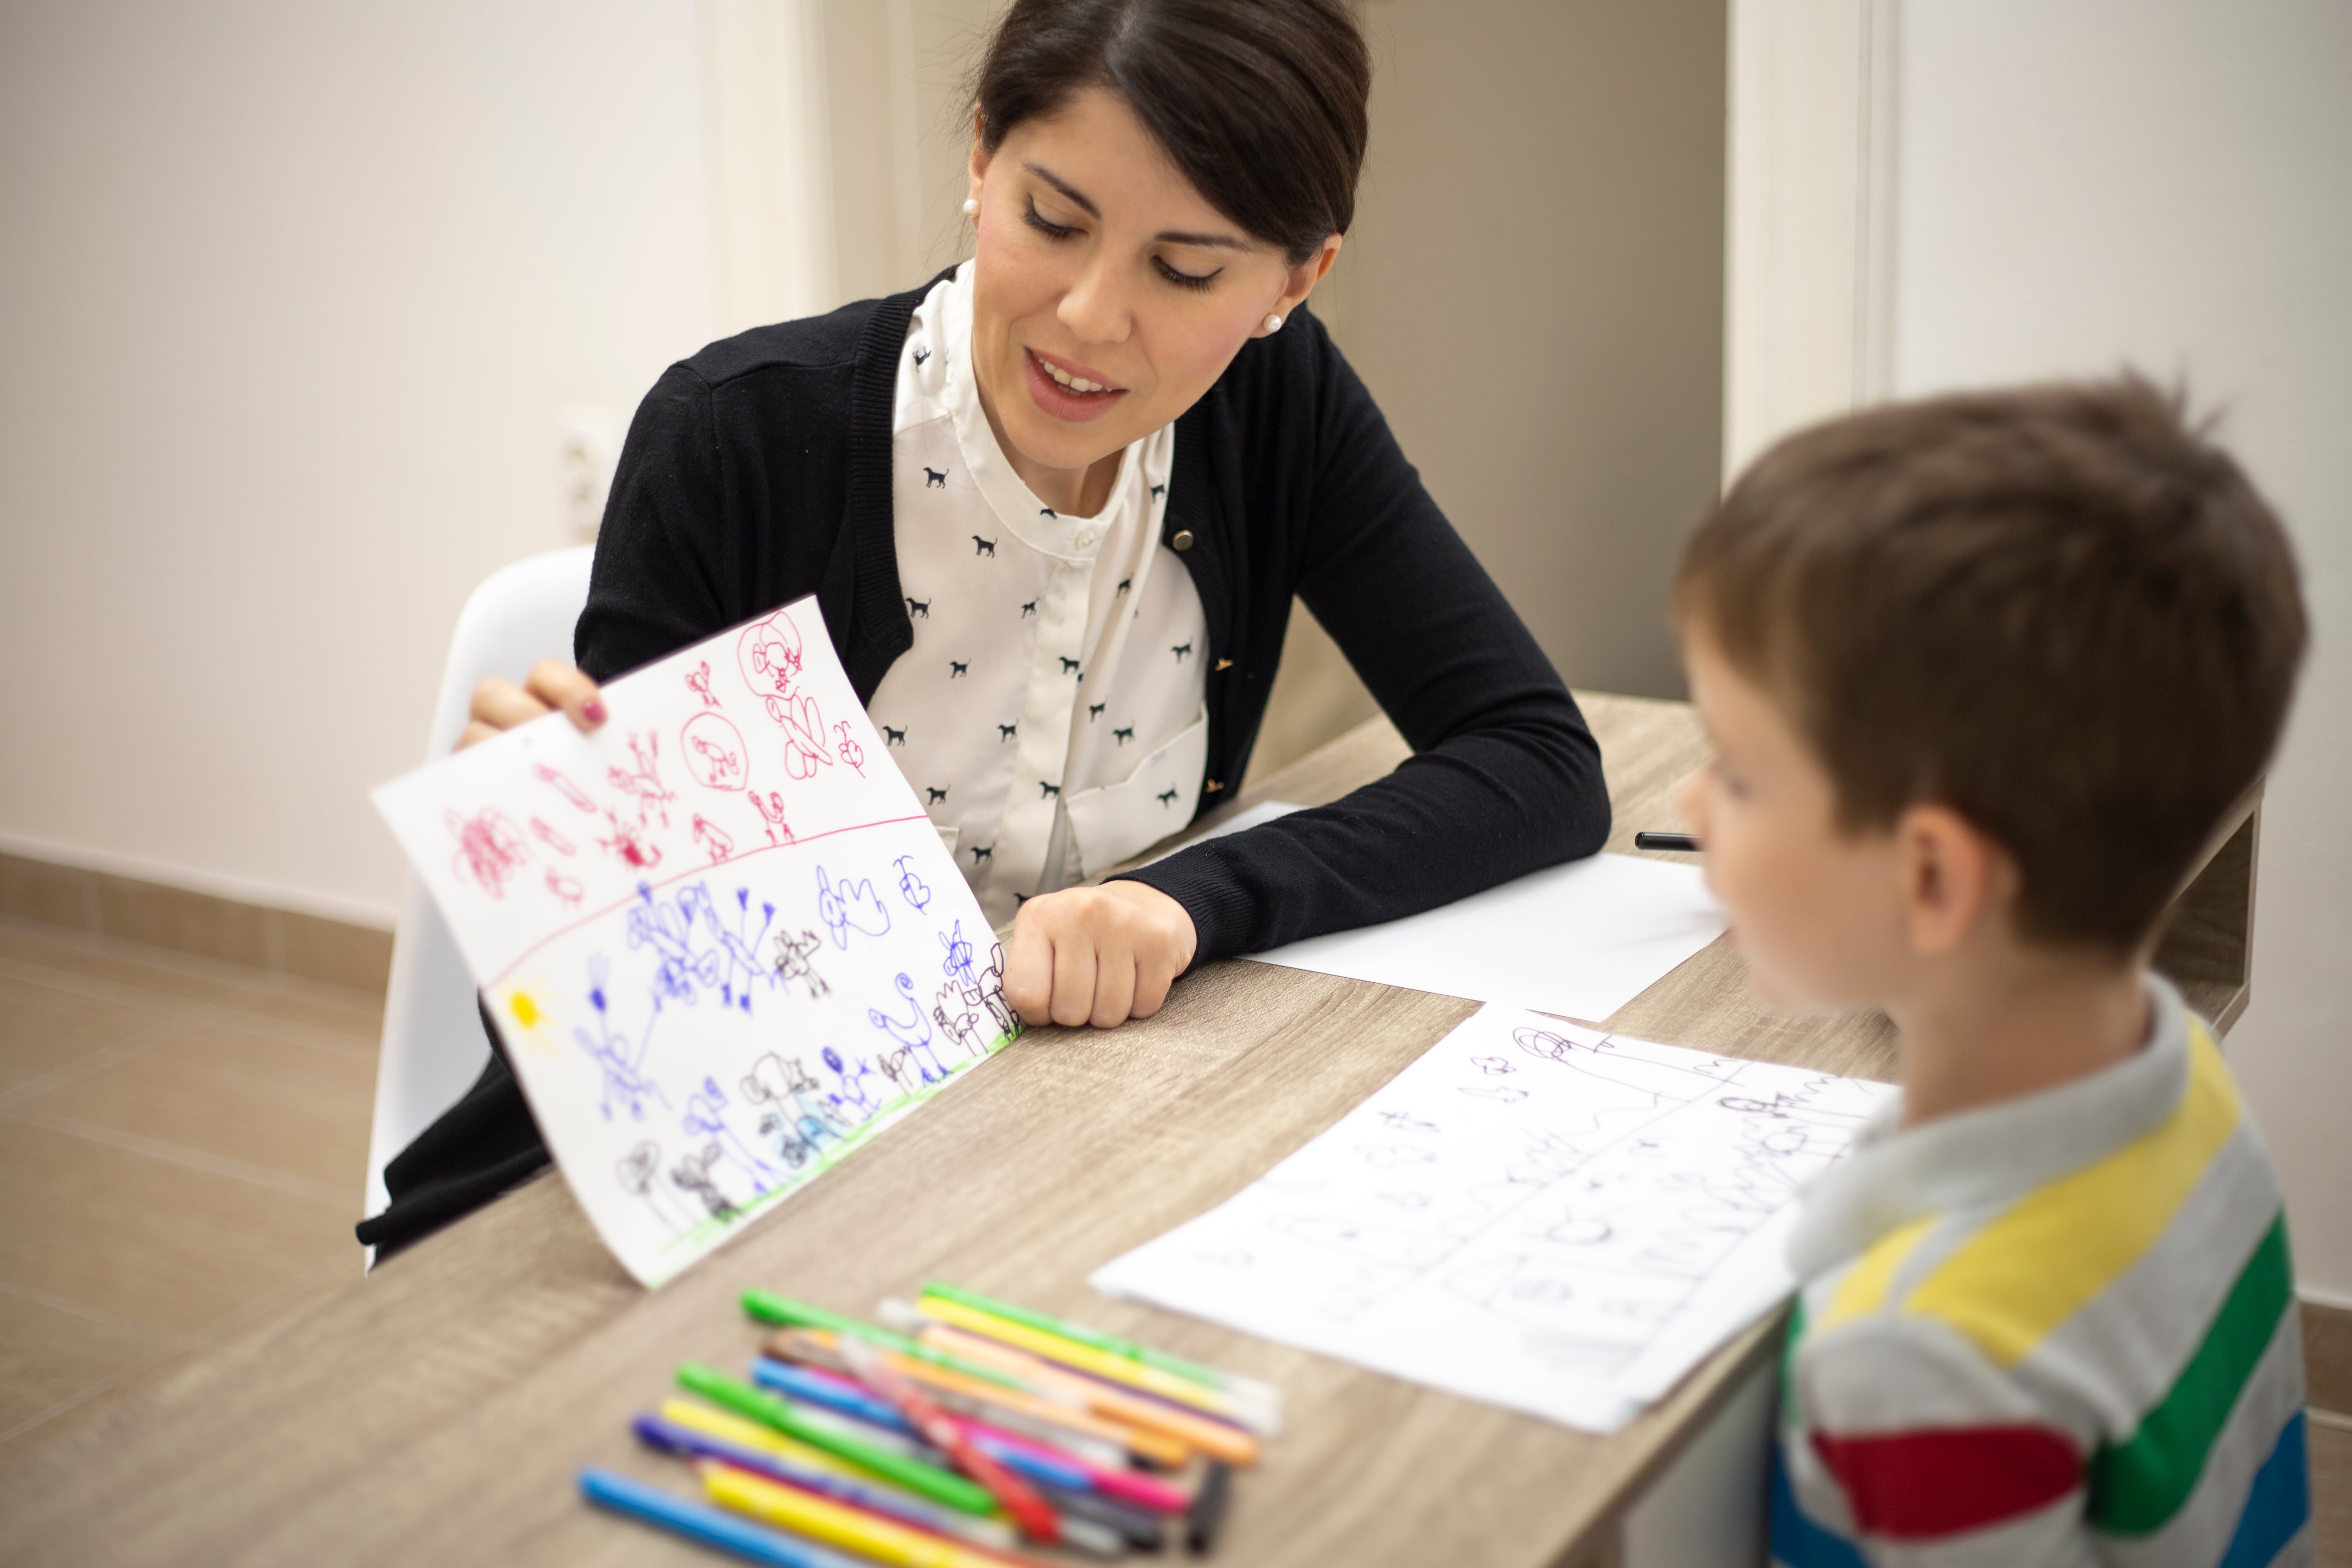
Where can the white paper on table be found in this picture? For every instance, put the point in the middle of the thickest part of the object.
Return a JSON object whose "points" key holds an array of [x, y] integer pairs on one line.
{"points": [[721, 940], [1533, 1214], [1581, 939]]}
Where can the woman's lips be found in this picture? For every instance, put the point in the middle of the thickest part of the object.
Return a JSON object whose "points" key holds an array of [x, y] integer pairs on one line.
{"points": [[1063, 402]]}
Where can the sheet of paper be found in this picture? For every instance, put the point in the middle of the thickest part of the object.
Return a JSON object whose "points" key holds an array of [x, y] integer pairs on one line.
{"points": [[721, 940], [1535, 1214], [1581, 939]]}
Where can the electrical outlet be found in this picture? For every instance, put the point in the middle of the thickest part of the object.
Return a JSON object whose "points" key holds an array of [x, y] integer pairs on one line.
{"points": [[589, 445]]}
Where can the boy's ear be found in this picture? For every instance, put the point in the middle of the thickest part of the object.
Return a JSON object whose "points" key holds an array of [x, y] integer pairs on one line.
{"points": [[1953, 878]]}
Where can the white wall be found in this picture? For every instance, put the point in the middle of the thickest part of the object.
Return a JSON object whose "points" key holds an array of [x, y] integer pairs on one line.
{"points": [[294, 298], [2168, 183]]}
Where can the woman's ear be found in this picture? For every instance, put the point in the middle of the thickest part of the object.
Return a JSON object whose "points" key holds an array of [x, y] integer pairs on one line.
{"points": [[981, 156], [1302, 279], [1953, 878]]}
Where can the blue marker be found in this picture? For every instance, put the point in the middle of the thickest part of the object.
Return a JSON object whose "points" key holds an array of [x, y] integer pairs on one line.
{"points": [[701, 1522]]}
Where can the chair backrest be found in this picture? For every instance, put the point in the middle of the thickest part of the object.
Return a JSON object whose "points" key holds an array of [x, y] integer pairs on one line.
{"points": [[433, 1043]]}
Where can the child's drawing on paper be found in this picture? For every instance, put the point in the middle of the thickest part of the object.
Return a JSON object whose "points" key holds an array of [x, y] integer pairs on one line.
{"points": [[746, 949]]}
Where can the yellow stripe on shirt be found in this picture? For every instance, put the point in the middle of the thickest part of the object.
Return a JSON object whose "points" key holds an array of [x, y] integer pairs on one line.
{"points": [[1863, 1289], [2025, 1273]]}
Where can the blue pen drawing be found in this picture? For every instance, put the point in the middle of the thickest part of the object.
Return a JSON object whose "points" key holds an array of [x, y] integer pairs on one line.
{"points": [[853, 1094], [913, 889], [706, 1113], [958, 966], [620, 1060], [847, 905], [698, 949], [800, 1121], [913, 1033]]}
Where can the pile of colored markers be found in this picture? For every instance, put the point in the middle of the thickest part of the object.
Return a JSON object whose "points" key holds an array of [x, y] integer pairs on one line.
{"points": [[965, 1430]]}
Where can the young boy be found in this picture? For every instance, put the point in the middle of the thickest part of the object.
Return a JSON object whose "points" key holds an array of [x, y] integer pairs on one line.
{"points": [[1984, 674]]}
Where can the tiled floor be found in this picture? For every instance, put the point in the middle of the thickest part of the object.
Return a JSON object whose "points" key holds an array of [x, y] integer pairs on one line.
{"points": [[181, 1149]]}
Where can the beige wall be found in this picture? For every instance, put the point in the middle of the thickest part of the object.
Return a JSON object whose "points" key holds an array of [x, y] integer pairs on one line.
{"points": [[293, 302], [2162, 182]]}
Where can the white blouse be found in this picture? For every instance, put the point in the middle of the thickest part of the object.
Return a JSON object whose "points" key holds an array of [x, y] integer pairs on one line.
{"points": [[1049, 714]]}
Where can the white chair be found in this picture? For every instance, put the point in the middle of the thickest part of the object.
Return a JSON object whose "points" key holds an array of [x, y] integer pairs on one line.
{"points": [[433, 1043]]}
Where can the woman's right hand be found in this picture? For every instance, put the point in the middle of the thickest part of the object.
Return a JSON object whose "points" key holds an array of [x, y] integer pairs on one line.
{"points": [[500, 705]]}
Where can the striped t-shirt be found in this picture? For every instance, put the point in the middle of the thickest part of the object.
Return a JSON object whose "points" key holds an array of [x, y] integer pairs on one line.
{"points": [[2060, 1329]]}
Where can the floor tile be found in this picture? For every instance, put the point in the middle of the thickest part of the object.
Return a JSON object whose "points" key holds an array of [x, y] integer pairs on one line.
{"points": [[238, 1095], [146, 1240], [48, 1353], [45, 1026], [163, 974], [331, 1007]]}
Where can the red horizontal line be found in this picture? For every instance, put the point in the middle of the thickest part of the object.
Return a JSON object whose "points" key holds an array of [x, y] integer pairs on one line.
{"points": [[520, 958]]}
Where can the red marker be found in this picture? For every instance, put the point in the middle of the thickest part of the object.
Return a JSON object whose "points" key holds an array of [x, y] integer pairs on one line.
{"points": [[1020, 1502]]}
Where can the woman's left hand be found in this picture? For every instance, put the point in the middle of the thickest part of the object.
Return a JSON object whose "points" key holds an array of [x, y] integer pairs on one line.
{"points": [[1100, 955]]}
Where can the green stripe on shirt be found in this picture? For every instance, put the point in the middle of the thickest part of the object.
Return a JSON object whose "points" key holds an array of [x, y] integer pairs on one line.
{"points": [[2136, 1485]]}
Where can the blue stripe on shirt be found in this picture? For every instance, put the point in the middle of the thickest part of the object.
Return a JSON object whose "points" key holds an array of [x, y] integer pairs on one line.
{"points": [[1797, 1541], [2278, 1505]]}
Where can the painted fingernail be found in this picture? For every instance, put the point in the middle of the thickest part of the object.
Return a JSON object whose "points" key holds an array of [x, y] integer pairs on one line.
{"points": [[593, 712]]}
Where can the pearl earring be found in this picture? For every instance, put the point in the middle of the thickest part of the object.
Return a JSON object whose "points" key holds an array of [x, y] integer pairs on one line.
{"points": [[1274, 323], [972, 206]]}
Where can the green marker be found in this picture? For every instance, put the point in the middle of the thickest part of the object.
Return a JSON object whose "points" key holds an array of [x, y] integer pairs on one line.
{"points": [[758, 1405], [785, 1312], [1093, 1339]]}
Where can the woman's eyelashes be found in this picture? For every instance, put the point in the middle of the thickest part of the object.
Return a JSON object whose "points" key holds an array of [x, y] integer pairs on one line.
{"points": [[1038, 221], [1185, 279], [1060, 231]]}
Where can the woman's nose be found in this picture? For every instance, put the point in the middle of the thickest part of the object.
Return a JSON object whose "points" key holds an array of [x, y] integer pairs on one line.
{"points": [[1095, 307]]}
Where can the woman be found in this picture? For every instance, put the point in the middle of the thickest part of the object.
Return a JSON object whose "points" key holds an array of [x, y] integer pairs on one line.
{"points": [[1054, 505]]}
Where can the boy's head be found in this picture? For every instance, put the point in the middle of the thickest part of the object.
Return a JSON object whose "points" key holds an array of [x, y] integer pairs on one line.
{"points": [[2016, 652]]}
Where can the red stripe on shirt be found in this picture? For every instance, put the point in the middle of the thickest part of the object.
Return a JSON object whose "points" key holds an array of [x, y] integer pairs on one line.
{"points": [[1915, 1486]]}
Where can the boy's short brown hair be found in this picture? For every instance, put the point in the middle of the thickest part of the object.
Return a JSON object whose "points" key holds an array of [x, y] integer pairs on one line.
{"points": [[2061, 611]]}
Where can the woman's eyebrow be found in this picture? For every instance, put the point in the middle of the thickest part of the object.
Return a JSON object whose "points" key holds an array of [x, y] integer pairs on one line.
{"points": [[1071, 192]]}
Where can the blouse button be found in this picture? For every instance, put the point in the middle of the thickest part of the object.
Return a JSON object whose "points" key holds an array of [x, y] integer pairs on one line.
{"points": [[1086, 537], [1181, 539]]}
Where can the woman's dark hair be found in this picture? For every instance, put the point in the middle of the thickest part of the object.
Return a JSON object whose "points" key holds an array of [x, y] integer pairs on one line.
{"points": [[1259, 103]]}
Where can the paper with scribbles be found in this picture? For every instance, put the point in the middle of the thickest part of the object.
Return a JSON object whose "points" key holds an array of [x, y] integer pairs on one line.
{"points": [[722, 940], [1533, 1214]]}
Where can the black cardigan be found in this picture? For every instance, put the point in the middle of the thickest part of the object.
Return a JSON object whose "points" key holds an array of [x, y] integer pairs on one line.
{"points": [[759, 471]]}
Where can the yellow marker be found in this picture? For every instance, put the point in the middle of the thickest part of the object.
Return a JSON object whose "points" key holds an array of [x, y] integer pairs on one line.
{"points": [[762, 1439], [869, 1534], [1084, 1358], [1214, 1439]]}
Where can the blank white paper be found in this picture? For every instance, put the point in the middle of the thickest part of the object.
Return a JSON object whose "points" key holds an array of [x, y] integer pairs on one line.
{"points": [[1534, 1214], [1581, 939]]}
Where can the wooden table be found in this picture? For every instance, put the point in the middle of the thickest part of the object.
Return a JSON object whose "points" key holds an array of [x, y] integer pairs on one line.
{"points": [[437, 1410]]}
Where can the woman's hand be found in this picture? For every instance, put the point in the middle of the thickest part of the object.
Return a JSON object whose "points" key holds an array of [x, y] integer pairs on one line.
{"points": [[1100, 955], [551, 684]]}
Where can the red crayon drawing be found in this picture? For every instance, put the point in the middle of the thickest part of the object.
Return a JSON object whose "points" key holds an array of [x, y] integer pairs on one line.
{"points": [[804, 749], [490, 851], [564, 786], [553, 840], [770, 653], [851, 751], [772, 810], [714, 752], [714, 842], [629, 843], [643, 784], [697, 680], [565, 887]]}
